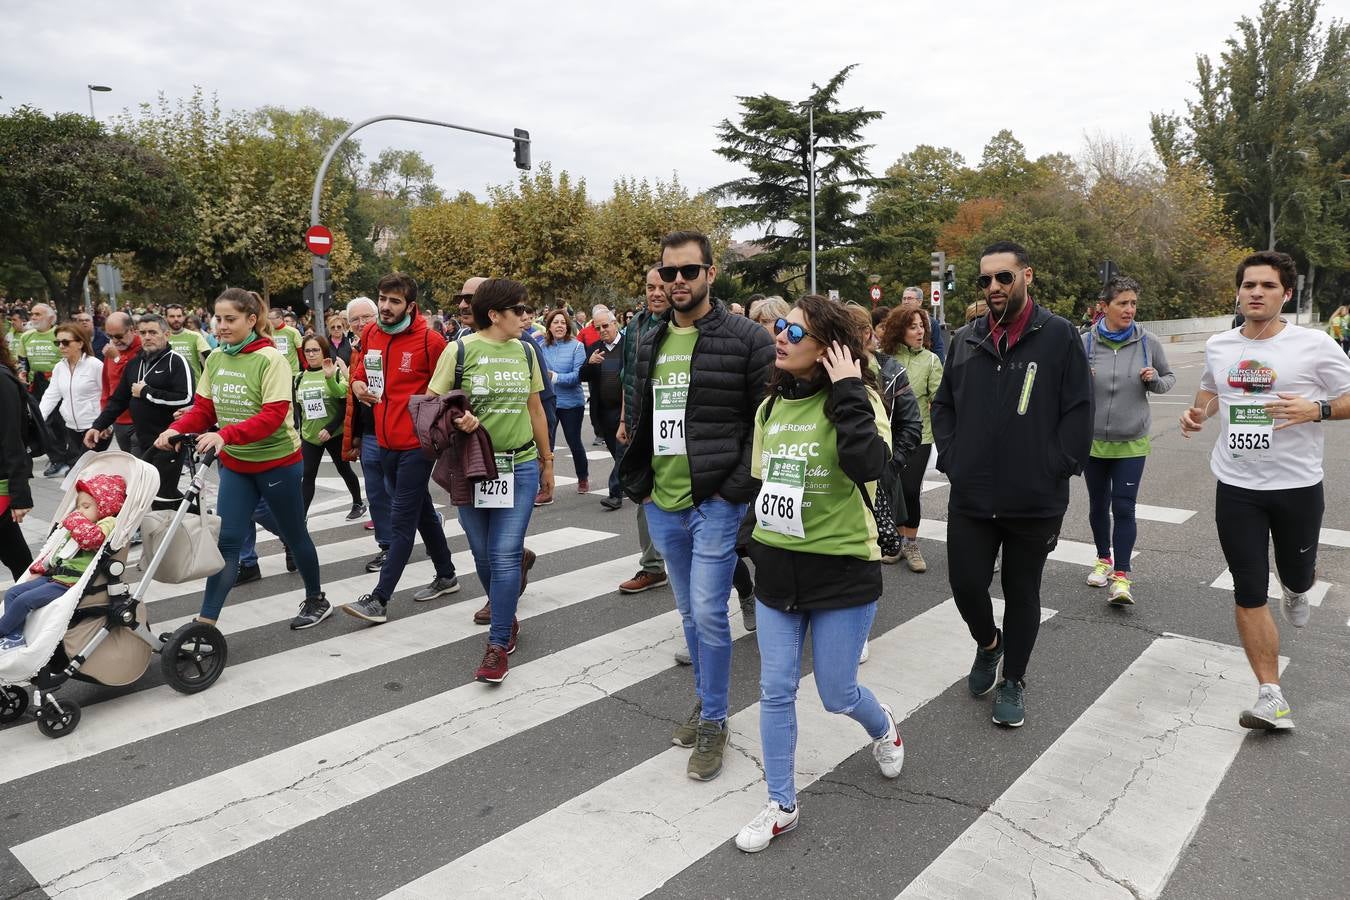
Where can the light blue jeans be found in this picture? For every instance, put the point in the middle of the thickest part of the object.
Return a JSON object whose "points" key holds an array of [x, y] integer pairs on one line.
{"points": [[699, 546], [837, 637], [497, 540]]}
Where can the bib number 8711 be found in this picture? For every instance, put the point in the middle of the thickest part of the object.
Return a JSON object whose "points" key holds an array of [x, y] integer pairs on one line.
{"points": [[670, 428]]}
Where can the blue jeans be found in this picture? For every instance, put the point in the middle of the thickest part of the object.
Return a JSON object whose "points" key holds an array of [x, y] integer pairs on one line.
{"points": [[837, 637], [238, 504], [1113, 487], [376, 495], [21, 599], [248, 551], [699, 546], [497, 540], [570, 420], [411, 511]]}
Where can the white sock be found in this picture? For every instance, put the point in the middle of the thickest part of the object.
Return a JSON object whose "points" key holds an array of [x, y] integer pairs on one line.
{"points": [[1273, 688]]}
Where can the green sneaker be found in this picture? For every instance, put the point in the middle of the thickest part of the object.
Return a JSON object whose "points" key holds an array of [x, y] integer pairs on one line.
{"points": [[1009, 705], [705, 763], [687, 732]]}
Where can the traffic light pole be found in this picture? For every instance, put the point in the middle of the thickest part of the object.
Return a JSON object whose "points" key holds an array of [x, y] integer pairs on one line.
{"points": [[319, 264]]}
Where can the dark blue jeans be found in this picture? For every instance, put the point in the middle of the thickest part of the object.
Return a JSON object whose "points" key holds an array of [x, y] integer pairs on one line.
{"points": [[411, 511], [497, 539], [570, 420], [1113, 487], [21, 599], [376, 494]]}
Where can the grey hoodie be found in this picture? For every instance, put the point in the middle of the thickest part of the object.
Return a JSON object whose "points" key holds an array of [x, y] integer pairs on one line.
{"points": [[1118, 396]]}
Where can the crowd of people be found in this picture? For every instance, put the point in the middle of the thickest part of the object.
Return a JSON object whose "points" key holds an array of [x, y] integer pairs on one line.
{"points": [[777, 451]]}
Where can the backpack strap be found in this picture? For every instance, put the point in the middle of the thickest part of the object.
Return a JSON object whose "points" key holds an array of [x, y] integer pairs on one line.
{"points": [[459, 363]]}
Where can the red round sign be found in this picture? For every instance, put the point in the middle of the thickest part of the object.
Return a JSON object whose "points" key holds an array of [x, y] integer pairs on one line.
{"points": [[319, 240], [876, 292]]}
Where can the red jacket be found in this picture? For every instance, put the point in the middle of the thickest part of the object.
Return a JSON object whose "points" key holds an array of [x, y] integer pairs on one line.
{"points": [[408, 359], [112, 375]]}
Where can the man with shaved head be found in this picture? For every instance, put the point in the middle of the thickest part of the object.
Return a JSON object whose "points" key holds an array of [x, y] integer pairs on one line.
{"points": [[124, 345], [464, 312]]}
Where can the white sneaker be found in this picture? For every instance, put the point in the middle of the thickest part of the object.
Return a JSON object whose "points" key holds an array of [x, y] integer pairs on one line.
{"points": [[1101, 572], [889, 751], [862, 657], [769, 824], [1271, 712], [1120, 593], [1295, 607]]}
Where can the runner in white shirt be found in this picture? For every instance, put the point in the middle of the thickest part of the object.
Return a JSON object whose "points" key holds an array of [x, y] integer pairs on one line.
{"points": [[1271, 384]]}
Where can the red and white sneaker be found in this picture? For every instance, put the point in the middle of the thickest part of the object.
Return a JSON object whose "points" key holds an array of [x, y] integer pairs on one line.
{"points": [[494, 666], [889, 752], [772, 821]]}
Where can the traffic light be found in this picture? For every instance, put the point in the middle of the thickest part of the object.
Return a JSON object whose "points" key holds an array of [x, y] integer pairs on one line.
{"points": [[949, 283], [522, 142], [938, 265], [1107, 270]]}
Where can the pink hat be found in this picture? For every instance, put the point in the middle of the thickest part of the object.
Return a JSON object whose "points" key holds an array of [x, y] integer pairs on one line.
{"points": [[108, 491]]}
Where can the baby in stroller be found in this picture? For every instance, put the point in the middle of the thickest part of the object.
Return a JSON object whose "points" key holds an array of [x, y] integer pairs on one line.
{"points": [[97, 504]]}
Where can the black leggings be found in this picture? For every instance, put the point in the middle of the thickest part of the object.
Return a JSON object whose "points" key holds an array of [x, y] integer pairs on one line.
{"points": [[1249, 521], [312, 454], [911, 482]]}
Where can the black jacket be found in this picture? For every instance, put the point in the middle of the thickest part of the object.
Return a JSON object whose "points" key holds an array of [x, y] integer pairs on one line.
{"points": [[605, 380], [168, 388], [15, 464], [727, 378], [1011, 432], [902, 406]]}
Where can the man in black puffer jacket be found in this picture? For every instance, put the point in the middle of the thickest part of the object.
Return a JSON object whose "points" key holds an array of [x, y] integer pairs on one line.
{"points": [[701, 374]]}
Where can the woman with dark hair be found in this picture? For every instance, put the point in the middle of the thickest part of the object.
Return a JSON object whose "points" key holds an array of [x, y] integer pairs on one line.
{"points": [[245, 389], [905, 336], [77, 388], [16, 468], [821, 435], [564, 355], [503, 385], [321, 406]]}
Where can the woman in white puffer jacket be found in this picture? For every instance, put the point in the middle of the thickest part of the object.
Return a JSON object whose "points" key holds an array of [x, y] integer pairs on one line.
{"points": [[76, 388]]}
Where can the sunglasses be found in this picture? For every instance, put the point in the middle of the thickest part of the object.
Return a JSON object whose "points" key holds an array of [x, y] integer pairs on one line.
{"points": [[519, 309], [66, 342], [1004, 278], [795, 333], [688, 272]]}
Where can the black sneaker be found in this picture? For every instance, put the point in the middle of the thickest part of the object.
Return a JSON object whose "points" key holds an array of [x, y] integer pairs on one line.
{"points": [[748, 612], [358, 510], [313, 611], [376, 562], [369, 607], [290, 561], [438, 588], [247, 574], [1010, 704], [612, 503], [984, 671]]}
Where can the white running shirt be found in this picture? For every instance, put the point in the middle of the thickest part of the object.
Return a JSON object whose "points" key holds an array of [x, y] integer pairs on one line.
{"points": [[1247, 373]]}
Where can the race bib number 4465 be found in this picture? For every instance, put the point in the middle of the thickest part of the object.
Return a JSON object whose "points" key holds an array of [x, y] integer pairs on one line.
{"points": [[1250, 431], [779, 505]]}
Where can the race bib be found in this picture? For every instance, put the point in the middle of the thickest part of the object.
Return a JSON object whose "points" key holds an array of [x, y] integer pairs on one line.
{"points": [[779, 505], [668, 426], [375, 372], [1250, 431], [500, 492], [313, 405]]}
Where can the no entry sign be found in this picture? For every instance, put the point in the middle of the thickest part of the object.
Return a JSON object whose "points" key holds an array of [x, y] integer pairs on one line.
{"points": [[319, 240]]}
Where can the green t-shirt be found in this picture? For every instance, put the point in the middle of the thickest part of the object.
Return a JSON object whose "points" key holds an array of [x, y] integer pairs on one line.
{"points": [[499, 377], [39, 348], [797, 446], [317, 398], [288, 344], [239, 386], [190, 345], [672, 489], [72, 568]]}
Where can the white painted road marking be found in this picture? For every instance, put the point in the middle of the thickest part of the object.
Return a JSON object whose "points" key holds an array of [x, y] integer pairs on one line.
{"points": [[1316, 594]]}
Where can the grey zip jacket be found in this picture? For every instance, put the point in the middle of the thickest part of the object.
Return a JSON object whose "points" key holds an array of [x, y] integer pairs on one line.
{"points": [[1119, 396]]}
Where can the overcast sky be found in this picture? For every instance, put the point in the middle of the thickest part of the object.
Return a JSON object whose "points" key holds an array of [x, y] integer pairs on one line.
{"points": [[624, 88]]}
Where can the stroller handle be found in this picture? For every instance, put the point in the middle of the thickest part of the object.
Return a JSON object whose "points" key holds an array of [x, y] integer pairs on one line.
{"points": [[190, 441]]}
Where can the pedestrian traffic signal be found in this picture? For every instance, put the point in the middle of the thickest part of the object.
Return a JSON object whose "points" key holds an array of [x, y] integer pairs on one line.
{"points": [[949, 283], [1107, 270], [522, 142], [938, 265]]}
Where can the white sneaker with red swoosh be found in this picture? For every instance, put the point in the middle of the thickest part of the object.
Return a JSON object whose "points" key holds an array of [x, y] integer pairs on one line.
{"points": [[772, 821], [889, 751]]}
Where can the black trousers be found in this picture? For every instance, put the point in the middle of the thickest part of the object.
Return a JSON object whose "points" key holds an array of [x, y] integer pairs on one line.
{"points": [[312, 454], [1248, 521], [972, 547], [14, 552]]}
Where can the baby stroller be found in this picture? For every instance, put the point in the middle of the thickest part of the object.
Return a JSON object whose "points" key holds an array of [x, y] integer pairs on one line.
{"points": [[98, 630]]}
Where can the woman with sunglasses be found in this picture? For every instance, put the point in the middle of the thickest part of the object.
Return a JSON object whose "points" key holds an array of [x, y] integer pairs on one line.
{"points": [[321, 407], [503, 385], [77, 388], [821, 441]]}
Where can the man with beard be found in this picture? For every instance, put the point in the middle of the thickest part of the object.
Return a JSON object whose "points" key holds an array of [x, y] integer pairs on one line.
{"points": [[1012, 421], [700, 377], [191, 345]]}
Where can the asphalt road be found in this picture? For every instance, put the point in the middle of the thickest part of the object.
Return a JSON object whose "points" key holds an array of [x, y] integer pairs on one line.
{"points": [[348, 761]]}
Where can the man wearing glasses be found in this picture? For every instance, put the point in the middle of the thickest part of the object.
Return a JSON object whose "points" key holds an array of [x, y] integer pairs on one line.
{"points": [[603, 372], [1012, 422], [124, 345], [700, 378], [358, 438], [464, 308]]}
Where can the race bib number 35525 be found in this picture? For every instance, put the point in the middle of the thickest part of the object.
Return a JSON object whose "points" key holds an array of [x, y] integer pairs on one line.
{"points": [[1250, 431]]}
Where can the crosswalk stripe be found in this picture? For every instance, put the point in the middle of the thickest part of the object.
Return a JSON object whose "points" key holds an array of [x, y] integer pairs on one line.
{"points": [[1068, 551], [1335, 537], [158, 710], [603, 836], [153, 841], [1169, 514], [1316, 594], [280, 607], [1108, 809]]}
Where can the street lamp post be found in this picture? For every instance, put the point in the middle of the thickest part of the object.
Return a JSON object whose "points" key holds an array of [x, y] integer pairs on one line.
{"points": [[102, 89], [811, 183], [319, 264]]}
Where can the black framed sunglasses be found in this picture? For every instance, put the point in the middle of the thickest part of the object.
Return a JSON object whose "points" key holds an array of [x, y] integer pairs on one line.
{"points": [[795, 333], [66, 342], [687, 272], [1004, 278], [519, 309]]}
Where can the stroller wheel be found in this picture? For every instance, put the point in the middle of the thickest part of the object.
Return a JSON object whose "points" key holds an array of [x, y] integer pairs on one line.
{"points": [[13, 703], [193, 657], [56, 723]]}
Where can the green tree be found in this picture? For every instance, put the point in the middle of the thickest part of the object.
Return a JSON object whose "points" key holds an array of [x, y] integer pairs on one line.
{"points": [[630, 224], [448, 242], [921, 192], [772, 140], [72, 193], [541, 233]]}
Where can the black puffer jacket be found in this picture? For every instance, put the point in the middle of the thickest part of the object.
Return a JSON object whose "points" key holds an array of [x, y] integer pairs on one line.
{"points": [[16, 466], [730, 369]]}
